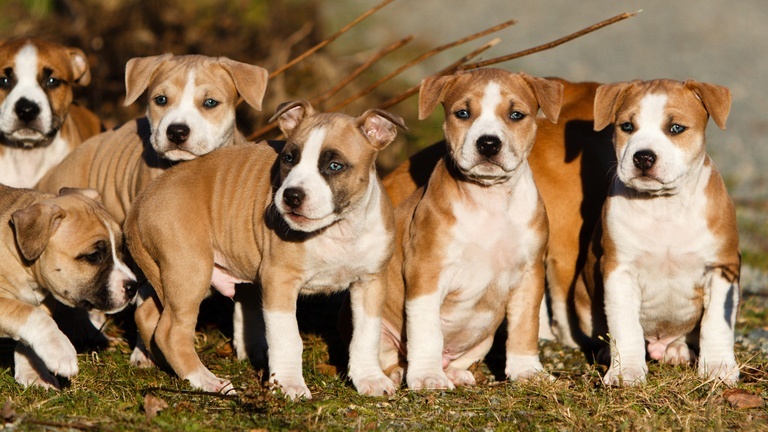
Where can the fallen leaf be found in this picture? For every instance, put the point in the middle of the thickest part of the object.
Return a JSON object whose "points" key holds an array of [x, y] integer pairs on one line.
{"points": [[153, 405], [9, 414], [742, 399], [327, 370]]}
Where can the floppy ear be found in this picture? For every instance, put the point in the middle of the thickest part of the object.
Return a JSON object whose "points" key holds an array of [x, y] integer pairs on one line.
{"points": [[716, 100], [34, 226], [380, 127], [86, 192], [138, 72], [250, 81], [79, 63], [548, 93], [607, 99], [431, 93], [290, 114]]}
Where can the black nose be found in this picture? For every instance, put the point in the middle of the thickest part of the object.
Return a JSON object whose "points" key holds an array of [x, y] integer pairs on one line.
{"points": [[488, 145], [293, 197], [26, 110], [131, 288], [644, 159], [177, 133]]}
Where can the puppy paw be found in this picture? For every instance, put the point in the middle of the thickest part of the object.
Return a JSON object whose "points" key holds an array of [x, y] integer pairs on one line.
{"points": [[725, 371], [396, 374], [460, 377], [375, 385], [523, 367], [625, 376], [292, 388], [207, 381], [428, 381], [29, 370], [141, 359], [59, 356], [677, 353]]}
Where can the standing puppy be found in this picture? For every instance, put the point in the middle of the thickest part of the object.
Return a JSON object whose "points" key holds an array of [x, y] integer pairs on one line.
{"points": [[470, 244], [666, 257], [39, 125], [313, 219]]}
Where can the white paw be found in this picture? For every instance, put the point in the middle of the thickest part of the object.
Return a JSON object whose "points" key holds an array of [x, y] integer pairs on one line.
{"points": [[677, 353], [396, 374], [58, 354], [29, 370], [460, 377], [374, 385], [141, 359], [725, 371], [207, 381], [428, 380], [521, 368], [292, 387], [625, 376]]}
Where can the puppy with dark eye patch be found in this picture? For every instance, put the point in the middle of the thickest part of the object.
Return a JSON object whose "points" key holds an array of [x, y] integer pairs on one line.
{"points": [[62, 247]]}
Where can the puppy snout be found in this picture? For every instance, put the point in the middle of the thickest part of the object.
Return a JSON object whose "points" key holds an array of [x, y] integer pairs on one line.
{"points": [[488, 145], [293, 197], [644, 159], [26, 110], [177, 133]]}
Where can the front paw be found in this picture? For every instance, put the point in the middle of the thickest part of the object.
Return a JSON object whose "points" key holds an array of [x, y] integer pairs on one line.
{"points": [[292, 387], [141, 359], [424, 380], [725, 371], [375, 385], [460, 377], [522, 368], [625, 376], [30, 371], [58, 354], [677, 353], [207, 381]]}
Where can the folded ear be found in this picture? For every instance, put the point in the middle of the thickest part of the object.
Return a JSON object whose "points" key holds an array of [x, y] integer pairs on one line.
{"points": [[607, 100], [80, 69], [138, 72], [548, 93], [716, 100], [34, 226], [290, 114], [431, 93], [250, 81], [380, 127]]}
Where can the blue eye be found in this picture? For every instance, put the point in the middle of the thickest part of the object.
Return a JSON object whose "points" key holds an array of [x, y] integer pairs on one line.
{"points": [[161, 100], [335, 166], [676, 129], [288, 158], [462, 114], [516, 115], [627, 127], [210, 103]]}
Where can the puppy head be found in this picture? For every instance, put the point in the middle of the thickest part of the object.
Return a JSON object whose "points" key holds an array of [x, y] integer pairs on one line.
{"points": [[327, 164], [192, 100], [490, 118], [74, 247], [659, 129], [36, 79]]}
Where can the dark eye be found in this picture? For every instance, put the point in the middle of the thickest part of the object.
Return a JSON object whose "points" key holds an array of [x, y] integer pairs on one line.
{"points": [[462, 114], [288, 158], [676, 129], [516, 115], [335, 166], [94, 258], [52, 82], [161, 100], [627, 127], [210, 103], [5, 82]]}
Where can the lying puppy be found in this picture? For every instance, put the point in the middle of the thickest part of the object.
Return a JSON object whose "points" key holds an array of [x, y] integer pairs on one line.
{"points": [[191, 112], [39, 125], [470, 244], [313, 219], [66, 247], [570, 163], [665, 260]]}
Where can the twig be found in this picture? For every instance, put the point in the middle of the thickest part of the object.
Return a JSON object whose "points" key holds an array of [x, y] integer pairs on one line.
{"points": [[420, 59], [330, 39], [554, 43], [189, 392]]}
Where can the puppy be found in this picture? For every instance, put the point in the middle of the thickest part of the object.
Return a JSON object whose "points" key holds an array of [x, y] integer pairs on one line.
{"points": [[66, 247], [39, 125], [470, 244], [313, 219], [664, 262], [191, 112], [570, 164]]}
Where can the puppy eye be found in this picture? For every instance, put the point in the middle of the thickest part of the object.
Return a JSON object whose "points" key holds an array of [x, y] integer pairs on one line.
{"points": [[52, 82], [210, 103], [5, 82], [335, 166], [94, 258], [161, 100], [288, 158], [627, 127], [516, 115], [676, 129], [462, 114]]}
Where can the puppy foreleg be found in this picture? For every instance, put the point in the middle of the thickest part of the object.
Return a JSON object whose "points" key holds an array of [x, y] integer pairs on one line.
{"points": [[425, 344], [622, 310], [716, 356], [523, 310]]}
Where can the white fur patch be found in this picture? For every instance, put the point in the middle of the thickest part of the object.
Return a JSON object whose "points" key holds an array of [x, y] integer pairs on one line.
{"points": [[27, 86], [119, 276], [285, 347], [23, 168]]}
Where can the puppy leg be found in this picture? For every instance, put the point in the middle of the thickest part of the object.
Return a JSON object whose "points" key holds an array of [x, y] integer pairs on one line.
{"points": [[425, 344], [390, 353], [523, 325], [146, 315], [458, 371], [367, 301], [716, 356], [249, 335], [622, 309], [30, 370]]}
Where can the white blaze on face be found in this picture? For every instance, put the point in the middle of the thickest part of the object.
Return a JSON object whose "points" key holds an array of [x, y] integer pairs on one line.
{"points": [[487, 123], [26, 86], [119, 276]]}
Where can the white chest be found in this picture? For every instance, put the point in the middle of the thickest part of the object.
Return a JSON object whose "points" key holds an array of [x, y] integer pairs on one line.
{"points": [[25, 167]]}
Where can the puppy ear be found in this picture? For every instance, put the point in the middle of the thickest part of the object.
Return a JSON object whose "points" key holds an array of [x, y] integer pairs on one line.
{"points": [[431, 93], [138, 72], [250, 81], [34, 226], [86, 192], [380, 127], [290, 114], [549, 94], [80, 69], [607, 100], [716, 100]]}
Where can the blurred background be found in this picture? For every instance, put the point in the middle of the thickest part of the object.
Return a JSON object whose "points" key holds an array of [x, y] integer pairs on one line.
{"points": [[720, 42]]}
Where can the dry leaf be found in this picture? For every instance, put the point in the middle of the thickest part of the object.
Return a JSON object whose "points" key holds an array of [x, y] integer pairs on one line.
{"points": [[326, 369], [153, 405], [9, 414], [742, 399]]}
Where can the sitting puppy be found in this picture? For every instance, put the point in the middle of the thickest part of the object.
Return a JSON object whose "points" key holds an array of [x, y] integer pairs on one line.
{"points": [[66, 247], [470, 244], [39, 125], [664, 262], [313, 219]]}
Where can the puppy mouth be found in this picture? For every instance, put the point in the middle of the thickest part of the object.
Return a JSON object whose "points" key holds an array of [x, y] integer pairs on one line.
{"points": [[28, 137]]}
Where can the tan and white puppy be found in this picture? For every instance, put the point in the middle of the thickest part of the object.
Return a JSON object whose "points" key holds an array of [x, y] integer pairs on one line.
{"points": [[312, 219], [470, 244], [39, 125], [191, 112], [64, 247], [665, 260]]}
